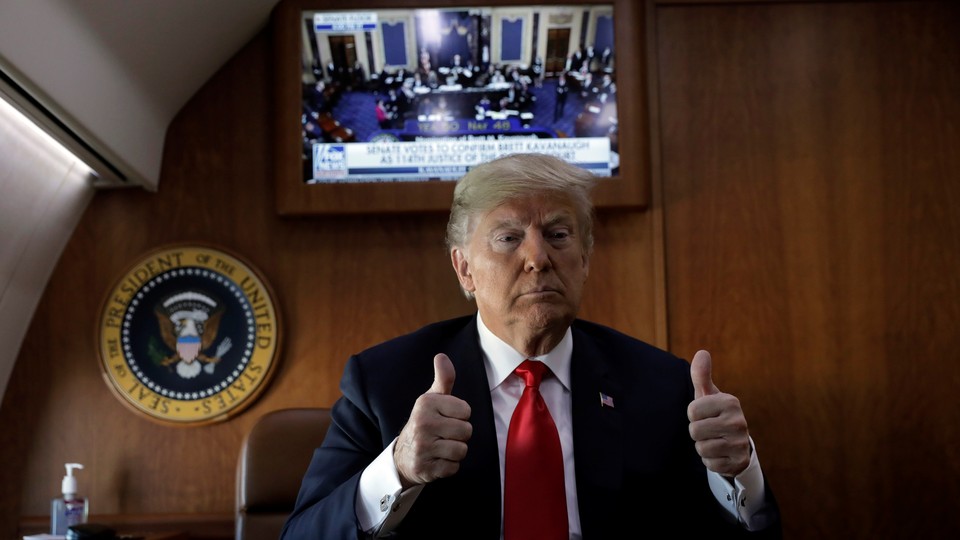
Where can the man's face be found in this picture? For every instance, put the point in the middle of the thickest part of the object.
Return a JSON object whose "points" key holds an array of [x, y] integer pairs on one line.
{"points": [[524, 262]]}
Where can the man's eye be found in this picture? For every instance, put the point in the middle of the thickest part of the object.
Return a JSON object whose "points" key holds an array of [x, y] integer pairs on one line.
{"points": [[559, 235], [507, 238]]}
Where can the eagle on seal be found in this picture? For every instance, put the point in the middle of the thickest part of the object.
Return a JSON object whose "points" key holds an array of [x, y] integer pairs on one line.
{"points": [[189, 322]]}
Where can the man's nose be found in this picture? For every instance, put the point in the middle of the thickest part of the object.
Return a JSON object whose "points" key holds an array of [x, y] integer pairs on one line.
{"points": [[535, 253]]}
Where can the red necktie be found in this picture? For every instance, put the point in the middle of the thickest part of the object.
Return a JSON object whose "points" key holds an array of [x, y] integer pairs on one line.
{"points": [[534, 497]]}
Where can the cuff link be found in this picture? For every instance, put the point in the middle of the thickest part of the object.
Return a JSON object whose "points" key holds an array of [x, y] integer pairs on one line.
{"points": [[385, 503]]}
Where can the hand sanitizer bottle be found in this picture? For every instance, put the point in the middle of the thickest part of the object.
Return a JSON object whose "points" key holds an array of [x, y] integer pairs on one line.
{"points": [[70, 508]]}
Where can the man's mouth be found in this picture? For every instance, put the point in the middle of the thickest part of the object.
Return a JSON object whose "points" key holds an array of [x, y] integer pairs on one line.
{"points": [[541, 291]]}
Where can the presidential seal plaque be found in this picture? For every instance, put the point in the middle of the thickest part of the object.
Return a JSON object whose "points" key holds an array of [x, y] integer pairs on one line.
{"points": [[189, 336]]}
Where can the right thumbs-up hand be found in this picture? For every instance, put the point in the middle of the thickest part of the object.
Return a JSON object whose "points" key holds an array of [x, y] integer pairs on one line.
{"points": [[434, 440]]}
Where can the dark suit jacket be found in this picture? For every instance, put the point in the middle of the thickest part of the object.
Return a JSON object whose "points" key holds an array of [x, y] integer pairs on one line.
{"points": [[636, 466]]}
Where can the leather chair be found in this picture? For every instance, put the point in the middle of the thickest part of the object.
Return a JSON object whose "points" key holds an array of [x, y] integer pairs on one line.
{"points": [[273, 459]]}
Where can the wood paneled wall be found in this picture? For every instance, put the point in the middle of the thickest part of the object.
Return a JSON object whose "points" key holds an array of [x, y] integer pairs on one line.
{"points": [[807, 173], [810, 158], [343, 284]]}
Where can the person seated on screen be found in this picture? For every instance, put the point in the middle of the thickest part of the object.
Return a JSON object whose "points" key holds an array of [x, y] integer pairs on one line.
{"points": [[588, 88], [607, 88], [524, 98], [311, 128], [433, 81], [455, 66], [606, 60], [425, 109], [450, 84], [395, 104], [506, 108], [400, 76], [516, 77], [381, 81], [522, 421], [407, 92], [462, 71], [485, 76], [314, 95], [426, 65], [442, 110], [591, 59], [418, 81], [383, 117], [577, 61], [482, 107], [598, 117]]}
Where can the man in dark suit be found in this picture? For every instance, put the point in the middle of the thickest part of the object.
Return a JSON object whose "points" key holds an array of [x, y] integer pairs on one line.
{"points": [[425, 438], [561, 97]]}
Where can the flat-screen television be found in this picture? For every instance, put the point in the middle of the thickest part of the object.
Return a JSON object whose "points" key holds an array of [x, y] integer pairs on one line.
{"points": [[394, 103]]}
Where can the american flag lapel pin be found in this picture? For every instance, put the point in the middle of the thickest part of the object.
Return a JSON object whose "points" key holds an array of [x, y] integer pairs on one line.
{"points": [[605, 400]]}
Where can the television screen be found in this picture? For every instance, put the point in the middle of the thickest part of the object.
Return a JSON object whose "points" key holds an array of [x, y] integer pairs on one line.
{"points": [[425, 94]]}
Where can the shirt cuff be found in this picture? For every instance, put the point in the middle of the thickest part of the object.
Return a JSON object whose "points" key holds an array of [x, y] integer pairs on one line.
{"points": [[381, 503], [744, 497]]}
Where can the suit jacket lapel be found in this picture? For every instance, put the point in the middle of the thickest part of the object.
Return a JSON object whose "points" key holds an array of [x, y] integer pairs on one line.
{"points": [[479, 476], [472, 386], [597, 433]]}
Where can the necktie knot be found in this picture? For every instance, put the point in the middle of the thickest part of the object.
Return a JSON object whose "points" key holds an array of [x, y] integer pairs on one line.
{"points": [[532, 372]]}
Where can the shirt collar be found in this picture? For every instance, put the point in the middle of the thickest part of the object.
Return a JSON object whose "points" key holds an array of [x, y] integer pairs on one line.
{"points": [[500, 359]]}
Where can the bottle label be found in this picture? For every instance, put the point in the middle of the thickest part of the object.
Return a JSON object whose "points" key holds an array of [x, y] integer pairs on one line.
{"points": [[74, 513]]}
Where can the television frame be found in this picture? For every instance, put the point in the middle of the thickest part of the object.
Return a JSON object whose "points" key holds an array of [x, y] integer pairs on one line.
{"points": [[629, 189]]}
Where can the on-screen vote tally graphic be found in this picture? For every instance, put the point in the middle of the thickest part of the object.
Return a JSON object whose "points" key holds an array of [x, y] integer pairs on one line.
{"points": [[189, 335]]}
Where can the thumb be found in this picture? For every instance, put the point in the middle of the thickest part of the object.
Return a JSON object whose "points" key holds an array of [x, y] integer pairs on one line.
{"points": [[701, 374], [443, 375]]}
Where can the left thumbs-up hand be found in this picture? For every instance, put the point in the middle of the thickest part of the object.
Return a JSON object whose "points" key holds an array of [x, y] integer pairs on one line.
{"points": [[717, 424]]}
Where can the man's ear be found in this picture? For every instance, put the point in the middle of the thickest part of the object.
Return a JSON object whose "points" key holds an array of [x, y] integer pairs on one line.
{"points": [[462, 267]]}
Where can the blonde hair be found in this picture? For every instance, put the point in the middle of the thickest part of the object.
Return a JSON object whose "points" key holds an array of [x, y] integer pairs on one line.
{"points": [[514, 176]]}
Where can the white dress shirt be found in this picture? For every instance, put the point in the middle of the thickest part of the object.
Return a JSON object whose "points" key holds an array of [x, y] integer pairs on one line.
{"points": [[382, 504]]}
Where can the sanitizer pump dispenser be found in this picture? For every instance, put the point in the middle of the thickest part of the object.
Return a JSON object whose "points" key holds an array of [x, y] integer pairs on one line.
{"points": [[70, 508]]}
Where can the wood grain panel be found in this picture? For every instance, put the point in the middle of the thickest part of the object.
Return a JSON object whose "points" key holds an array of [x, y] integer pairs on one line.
{"points": [[811, 176], [342, 283]]}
